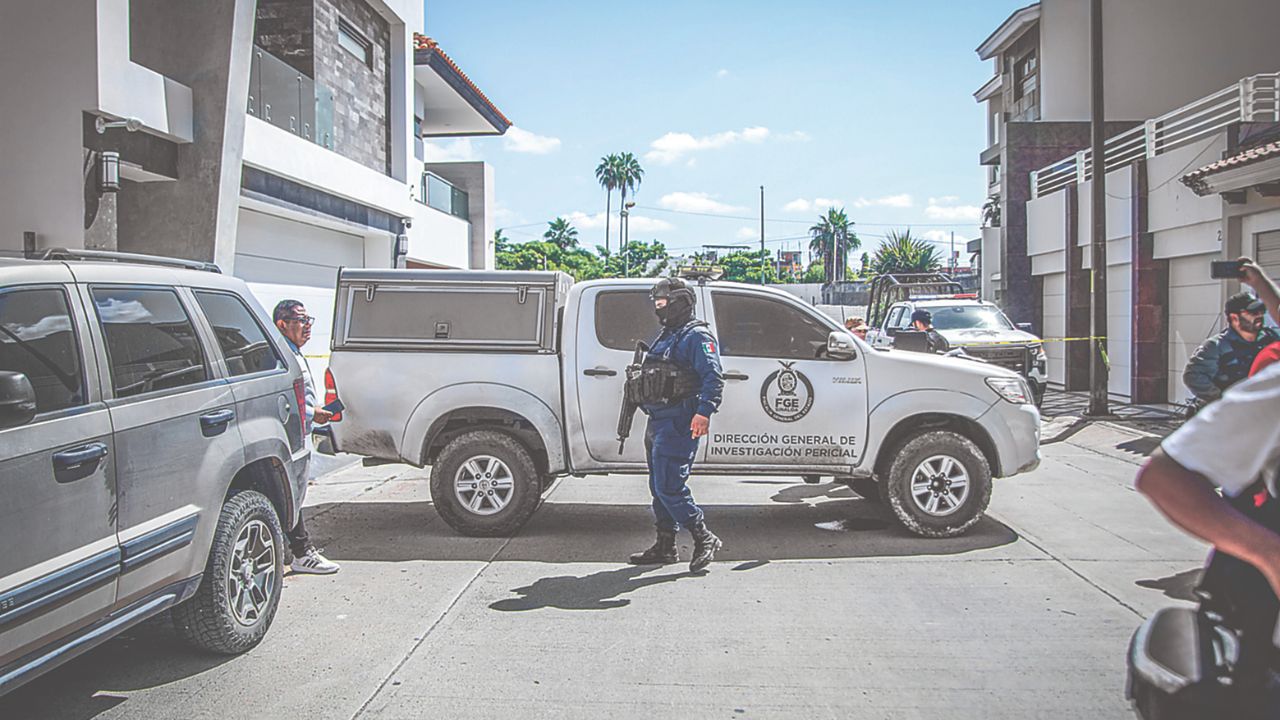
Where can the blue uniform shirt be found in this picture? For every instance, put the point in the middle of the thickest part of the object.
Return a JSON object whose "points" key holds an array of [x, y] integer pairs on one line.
{"points": [[693, 347]]}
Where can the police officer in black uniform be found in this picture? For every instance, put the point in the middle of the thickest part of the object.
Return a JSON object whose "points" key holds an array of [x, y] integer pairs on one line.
{"points": [[677, 421], [922, 320]]}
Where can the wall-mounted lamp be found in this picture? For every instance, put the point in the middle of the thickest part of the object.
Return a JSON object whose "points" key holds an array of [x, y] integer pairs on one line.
{"points": [[109, 171]]}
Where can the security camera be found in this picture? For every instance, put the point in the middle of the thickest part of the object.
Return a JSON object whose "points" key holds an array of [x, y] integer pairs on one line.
{"points": [[406, 222], [101, 124]]}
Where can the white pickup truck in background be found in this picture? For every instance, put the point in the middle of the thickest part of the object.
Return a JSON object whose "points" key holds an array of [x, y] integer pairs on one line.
{"points": [[502, 381]]}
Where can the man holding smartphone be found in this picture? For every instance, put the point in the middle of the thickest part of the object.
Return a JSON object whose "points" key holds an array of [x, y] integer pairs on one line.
{"points": [[291, 318], [1225, 359]]}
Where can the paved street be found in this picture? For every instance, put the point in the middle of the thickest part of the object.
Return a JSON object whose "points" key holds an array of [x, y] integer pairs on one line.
{"points": [[817, 607]]}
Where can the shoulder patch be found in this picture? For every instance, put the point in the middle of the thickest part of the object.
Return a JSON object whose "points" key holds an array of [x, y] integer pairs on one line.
{"points": [[709, 347]]}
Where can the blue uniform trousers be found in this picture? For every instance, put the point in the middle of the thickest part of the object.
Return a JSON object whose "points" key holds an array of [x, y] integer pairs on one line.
{"points": [[670, 452]]}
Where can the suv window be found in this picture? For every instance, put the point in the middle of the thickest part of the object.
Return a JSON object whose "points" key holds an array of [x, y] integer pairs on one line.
{"points": [[38, 340], [151, 344], [753, 326], [244, 344], [625, 317]]}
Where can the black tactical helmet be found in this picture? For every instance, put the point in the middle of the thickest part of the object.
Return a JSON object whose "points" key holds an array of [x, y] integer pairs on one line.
{"points": [[680, 301]]}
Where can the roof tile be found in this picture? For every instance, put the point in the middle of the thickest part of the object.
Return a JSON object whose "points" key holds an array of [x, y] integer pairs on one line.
{"points": [[422, 42]]}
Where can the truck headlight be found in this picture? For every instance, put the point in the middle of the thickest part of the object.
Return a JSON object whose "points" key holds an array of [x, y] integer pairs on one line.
{"points": [[1012, 389], [1038, 357]]}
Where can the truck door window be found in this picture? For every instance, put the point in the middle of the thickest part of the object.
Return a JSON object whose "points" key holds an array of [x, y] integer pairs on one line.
{"points": [[151, 344], [244, 344], [755, 326], [38, 340], [625, 317]]}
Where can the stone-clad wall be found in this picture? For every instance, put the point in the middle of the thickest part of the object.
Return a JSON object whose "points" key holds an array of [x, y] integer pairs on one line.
{"points": [[285, 28], [361, 92]]}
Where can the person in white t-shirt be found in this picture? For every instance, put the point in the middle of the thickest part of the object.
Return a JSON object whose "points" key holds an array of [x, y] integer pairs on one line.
{"points": [[1231, 444]]}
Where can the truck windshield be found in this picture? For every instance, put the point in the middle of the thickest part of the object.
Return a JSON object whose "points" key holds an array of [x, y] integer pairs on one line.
{"points": [[969, 317]]}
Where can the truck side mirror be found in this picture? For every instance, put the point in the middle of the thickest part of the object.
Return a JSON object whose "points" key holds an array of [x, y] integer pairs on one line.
{"points": [[840, 346], [1024, 327], [17, 399], [891, 331]]}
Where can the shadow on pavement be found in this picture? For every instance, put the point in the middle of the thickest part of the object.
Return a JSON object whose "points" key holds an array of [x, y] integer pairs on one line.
{"points": [[597, 591], [148, 655], [1178, 587], [837, 525]]}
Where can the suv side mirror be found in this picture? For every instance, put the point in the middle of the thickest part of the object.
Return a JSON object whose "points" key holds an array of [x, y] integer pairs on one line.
{"points": [[840, 346], [17, 399]]}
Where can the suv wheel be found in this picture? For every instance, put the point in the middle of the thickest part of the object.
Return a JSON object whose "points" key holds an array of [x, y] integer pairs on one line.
{"points": [[484, 483], [240, 590], [938, 484]]}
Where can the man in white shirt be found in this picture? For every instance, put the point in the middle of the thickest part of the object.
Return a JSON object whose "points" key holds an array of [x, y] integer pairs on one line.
{"points": [[291, 318]]}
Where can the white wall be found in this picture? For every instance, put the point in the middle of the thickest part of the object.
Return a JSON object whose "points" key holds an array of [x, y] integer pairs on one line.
{"points": [[1055, 325], [1170, 203], [1195, 313], [991, 254], [439, 238], [1047, 224], [48, 54], [1159, 54], [1119, 328]]}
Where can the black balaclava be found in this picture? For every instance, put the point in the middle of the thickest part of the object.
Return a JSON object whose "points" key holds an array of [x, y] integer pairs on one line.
{"points": [[680, 302]]}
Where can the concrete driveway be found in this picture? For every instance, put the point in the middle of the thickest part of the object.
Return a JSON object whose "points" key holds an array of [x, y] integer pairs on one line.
{"points": [[817, 607]]}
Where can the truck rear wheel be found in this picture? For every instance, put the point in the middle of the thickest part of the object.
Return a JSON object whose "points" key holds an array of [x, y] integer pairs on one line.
{"points": [[938, 484], [484, 483]]}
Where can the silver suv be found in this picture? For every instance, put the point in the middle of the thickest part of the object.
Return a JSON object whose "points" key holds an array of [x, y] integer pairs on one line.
{"points": [[151, 450]]}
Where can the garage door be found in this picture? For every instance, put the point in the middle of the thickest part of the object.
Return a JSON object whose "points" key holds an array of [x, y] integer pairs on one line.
{"points": [[282, 259], [1268, 252]]}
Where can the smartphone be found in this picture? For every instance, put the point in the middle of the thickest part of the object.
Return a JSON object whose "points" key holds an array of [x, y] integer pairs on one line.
{"points": [[334, 407], [1226, 269]]}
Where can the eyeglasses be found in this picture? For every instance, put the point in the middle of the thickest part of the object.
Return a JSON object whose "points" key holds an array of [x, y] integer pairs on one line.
{"points": [[304, 319]]}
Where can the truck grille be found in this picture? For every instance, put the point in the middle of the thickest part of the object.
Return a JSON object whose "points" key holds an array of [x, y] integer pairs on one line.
{"points": [[1013, 358]]}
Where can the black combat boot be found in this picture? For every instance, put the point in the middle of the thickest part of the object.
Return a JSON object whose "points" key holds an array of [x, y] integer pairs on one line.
{"points": [[705, 545], [662, 552]]}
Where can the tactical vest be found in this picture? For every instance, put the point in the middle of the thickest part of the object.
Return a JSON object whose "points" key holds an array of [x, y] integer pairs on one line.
{"points": [[658, 381]]}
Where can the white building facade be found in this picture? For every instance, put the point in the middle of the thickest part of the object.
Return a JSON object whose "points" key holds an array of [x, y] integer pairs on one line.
{"points": [[286, 143]]}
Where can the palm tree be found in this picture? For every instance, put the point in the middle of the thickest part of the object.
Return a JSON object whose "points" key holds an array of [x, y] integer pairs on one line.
{"points": [[991, 212], [902, 253], [607, 175], [561, 234], [629, 174], [831, 240]]}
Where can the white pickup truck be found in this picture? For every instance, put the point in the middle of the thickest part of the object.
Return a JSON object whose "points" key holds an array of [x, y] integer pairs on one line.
{"points": [[503, 381]]}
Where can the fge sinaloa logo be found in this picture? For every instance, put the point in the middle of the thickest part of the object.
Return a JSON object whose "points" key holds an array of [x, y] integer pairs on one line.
{"points": [[787, 394]]}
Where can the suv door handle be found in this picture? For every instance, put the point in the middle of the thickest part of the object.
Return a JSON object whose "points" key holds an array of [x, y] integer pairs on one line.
{"points": [[735, 376], [75, 457], [211, 421], [599, 372]]}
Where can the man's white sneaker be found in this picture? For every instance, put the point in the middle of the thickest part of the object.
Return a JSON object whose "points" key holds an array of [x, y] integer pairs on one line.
{"points": [[313, 562]]}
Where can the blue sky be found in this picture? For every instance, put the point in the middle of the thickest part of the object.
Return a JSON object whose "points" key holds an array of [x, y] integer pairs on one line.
{"points": [[868, 104]]}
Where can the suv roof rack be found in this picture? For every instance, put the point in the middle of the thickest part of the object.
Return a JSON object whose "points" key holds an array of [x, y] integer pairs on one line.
{"points": [[890, 288], [123, 257]]}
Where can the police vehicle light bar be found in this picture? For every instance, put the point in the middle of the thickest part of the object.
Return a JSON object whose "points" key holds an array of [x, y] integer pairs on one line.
{"points": [[700, 273], [946, 296]]}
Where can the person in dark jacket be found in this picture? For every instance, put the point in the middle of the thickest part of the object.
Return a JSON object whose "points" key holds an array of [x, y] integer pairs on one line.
{"points": [[675, 427], [1225, 359], [922, 321]]}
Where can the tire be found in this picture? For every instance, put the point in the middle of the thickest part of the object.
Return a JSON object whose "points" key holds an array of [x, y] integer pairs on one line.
{"points": [[1037, 392], [866, 487], [924, 457], [211, 619], [484, 484]]}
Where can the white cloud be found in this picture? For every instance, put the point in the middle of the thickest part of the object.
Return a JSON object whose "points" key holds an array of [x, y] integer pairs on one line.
{"points": [[452, 151], [747, 233], [795, 136], [943, 208], [674, 146], [801, 205], [697, 202], [722, 73], [638, 223], [896, 201], [522, 141]]}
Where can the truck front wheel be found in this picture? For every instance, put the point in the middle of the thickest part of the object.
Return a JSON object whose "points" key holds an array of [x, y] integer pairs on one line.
{"points": [[938, 484], [484, 483]]}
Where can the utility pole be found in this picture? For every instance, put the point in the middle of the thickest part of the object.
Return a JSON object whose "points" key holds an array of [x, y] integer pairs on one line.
{"points": [[952, 261], [1098, 203], [762, 255]]}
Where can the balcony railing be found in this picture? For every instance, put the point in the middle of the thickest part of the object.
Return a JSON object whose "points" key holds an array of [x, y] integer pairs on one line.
{"points": [[440, 194], [290, 100], [1255, 98]]}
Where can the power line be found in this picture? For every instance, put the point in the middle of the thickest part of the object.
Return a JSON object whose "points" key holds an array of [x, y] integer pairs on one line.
{"points": [[801, 222]]}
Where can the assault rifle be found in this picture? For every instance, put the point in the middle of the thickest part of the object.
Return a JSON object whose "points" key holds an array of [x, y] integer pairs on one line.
{"points": [[630, 399]]}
